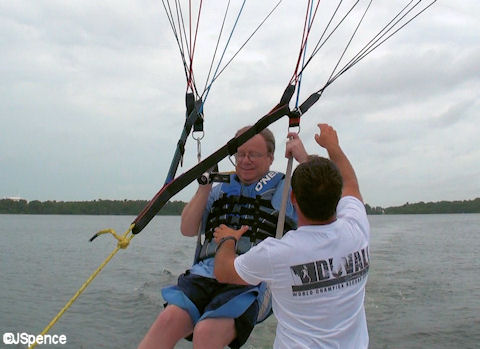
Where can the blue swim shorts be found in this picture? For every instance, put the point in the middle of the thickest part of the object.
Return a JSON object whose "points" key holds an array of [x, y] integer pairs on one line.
{"points": [[204, 297]]}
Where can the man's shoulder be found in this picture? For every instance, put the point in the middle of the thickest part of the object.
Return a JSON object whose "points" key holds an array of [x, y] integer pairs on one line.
{"points": [[351, 209], [350, 202]]}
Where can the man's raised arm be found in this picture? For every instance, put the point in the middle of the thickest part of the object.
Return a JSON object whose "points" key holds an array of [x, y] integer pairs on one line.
{"points": [[328, 139]]}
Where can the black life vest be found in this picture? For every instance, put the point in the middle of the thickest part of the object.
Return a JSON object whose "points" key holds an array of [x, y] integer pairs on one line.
{"points": [[245, 205]]}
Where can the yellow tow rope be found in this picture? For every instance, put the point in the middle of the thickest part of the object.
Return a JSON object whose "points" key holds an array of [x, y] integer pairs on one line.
{"points": [[123, 242]]}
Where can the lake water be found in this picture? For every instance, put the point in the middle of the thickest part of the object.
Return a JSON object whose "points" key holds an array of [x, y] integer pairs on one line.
{"points": [[422, 291]]}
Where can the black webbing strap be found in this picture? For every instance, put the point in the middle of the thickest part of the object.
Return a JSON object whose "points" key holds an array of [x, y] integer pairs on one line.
{"points": [[198, 124], [177, 184], [189, 102], [311, 100], [192, 116]]}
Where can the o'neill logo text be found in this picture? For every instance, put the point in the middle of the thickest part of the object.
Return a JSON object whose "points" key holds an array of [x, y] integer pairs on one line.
{"points": [[265, 180]]}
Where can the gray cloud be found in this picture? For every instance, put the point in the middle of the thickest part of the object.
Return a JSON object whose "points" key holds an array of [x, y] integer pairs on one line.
{"points": [[92, 98]]}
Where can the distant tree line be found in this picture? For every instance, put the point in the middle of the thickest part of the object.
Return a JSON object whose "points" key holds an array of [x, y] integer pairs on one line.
{"points": [[464, 206], [134, 207], [95, 207]]}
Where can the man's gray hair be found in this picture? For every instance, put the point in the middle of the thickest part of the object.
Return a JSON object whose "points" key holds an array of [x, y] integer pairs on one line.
{"points": [[265, 133]]}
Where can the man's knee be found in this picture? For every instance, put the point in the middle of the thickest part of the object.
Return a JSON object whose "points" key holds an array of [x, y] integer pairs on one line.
{"points": [[173, 317], [170, 326], [214, 331]]}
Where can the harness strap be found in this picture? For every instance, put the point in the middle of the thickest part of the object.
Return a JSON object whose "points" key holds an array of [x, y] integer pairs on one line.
{"points": [[283, 208], [192, 114]]}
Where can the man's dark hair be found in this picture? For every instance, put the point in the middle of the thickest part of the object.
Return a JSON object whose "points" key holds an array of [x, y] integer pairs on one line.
{"points": [[317, 185]]}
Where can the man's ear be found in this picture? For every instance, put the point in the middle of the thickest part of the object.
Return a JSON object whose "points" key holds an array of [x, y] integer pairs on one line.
{"points": [[271, 158], [293, 199]]}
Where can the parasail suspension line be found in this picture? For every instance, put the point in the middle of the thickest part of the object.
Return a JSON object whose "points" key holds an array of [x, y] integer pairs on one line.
{"points": [[294, 118], [207, 90]]}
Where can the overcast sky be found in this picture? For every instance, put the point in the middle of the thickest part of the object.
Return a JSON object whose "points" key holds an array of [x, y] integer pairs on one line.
{"points": [[92, 97]]}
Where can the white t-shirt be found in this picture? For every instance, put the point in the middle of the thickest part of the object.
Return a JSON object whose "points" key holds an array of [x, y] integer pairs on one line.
{"points": [[317, 275]]}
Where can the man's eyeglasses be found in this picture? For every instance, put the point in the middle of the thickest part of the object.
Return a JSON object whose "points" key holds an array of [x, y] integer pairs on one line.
{"points": [[251, 156]]}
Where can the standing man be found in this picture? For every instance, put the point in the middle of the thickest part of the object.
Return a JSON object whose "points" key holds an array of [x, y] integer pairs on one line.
{"points": [[212, 313], [317, 273]]}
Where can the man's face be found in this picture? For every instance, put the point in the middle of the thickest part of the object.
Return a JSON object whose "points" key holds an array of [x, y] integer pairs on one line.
{"points": [[253, 160]]}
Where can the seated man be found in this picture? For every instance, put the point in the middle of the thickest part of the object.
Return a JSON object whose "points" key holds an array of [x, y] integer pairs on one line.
{"points": [[217, 314]]}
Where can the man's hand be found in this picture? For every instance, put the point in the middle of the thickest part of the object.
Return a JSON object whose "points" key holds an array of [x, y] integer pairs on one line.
{"points": [[327, 138], [224, 231], [295, 148], [224, 268]]}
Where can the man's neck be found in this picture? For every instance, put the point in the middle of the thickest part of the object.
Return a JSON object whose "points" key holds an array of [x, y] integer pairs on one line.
{"points": [[302, 220]]}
